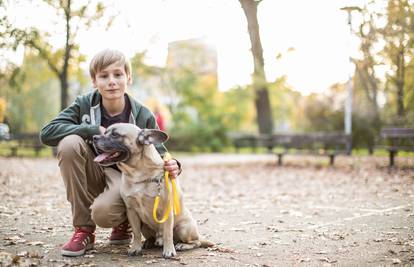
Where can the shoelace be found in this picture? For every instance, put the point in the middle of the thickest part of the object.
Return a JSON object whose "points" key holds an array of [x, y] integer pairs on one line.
{"points": [[79, 235]]}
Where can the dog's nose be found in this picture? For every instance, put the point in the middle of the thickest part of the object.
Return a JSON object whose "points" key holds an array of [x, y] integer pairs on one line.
{"points": [[95, 138]]}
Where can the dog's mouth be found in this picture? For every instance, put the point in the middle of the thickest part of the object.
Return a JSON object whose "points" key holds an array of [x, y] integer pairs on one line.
{"points": [[110, 157]]}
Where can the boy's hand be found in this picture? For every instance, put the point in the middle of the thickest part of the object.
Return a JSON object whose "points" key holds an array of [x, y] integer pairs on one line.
{"points": [[172, 167]]}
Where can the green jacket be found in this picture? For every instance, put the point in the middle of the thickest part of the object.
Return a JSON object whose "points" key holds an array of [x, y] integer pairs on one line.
{"points": [[83, 118]]}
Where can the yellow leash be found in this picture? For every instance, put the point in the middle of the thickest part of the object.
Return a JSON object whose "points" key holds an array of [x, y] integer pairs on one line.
{"points": [[172, 201]]}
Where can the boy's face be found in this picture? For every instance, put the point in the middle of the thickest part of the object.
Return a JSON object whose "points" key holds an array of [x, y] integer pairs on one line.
{"points": [[112, 81]]}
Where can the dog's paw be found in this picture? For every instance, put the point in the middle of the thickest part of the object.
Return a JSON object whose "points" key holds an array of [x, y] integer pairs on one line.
{"points": [[134, 251], [169, 253]]}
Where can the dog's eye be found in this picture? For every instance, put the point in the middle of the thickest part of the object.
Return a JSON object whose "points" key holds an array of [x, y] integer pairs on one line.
{"points": [[115, 134]]}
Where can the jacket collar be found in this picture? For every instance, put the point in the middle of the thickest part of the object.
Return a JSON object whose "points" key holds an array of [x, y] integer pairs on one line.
{"points": [[95, 110]]}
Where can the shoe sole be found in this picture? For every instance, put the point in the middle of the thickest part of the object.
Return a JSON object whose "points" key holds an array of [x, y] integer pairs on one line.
{"points": [[120, 242], [76, 253]]}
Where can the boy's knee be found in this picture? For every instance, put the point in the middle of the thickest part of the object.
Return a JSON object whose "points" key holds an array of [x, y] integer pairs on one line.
{"points": [[105, 215], [70, 144], [98, 214]]}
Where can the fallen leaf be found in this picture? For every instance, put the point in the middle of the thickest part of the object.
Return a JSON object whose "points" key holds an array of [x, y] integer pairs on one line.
{"points": [[35, 243], [328, 260], [396, 261], [305, 260]]}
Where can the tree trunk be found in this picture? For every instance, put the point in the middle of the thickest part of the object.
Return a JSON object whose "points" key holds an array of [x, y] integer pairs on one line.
{"points": [[63, 92], [400, 85], [262, 100], [263, 110], [64, 74]]}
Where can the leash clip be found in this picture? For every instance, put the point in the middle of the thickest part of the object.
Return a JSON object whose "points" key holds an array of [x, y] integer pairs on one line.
{"points": [[159, 187]]}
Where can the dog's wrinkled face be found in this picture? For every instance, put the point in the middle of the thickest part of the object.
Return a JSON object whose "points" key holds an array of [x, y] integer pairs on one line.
{"points": [[122, 140]]}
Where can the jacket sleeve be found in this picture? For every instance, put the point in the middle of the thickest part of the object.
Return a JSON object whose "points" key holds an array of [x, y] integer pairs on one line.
{"points": [[66, 123]]}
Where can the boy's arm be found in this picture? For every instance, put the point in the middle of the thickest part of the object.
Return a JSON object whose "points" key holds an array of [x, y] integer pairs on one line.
{"points": [[67, 123]]}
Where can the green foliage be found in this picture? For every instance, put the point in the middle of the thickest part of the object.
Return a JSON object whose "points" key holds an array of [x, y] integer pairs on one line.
{"points": [[33, 99], [2, 108], [284, 100], [317, 112], [239, 109], [198, 120]]}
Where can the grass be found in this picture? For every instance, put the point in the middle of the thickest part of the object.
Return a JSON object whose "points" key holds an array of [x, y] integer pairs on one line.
{"points": [[5, 151]]}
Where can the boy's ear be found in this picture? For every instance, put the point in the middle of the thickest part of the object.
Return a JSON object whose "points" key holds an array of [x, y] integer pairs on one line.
{"points": [[151, 136], [94, 83], [129, 79]]}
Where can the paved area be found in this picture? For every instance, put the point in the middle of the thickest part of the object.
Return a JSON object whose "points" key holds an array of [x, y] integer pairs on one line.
{"points": [[305, 213]]}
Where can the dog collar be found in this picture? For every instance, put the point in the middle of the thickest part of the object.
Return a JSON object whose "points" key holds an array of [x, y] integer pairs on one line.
{"points": [[157, 179]]}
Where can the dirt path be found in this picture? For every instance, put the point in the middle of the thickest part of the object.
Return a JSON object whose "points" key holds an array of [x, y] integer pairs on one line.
{"points": [[304, 213]]}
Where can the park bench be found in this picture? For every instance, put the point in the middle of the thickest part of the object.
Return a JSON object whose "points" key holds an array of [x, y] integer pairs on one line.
{"points": [[24, 140], [397, 139], [241, 140], [328, 144]]}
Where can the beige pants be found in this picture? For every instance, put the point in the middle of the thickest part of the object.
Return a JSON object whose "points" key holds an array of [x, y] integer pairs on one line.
{"points": [[93, 191]]}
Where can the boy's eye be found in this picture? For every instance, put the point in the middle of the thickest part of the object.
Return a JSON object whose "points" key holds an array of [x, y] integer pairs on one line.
{"points": [[118, 74], [103, 76]]}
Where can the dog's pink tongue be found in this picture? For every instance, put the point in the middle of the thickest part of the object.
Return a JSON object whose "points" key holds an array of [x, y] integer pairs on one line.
{"points": [[101, 157]]}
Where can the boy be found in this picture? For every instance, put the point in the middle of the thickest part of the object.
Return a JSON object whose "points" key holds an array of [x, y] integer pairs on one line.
{"points": [[92, 190]]}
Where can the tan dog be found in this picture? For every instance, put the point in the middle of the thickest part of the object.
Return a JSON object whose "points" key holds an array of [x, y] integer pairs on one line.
{"points": [[132, 149]]}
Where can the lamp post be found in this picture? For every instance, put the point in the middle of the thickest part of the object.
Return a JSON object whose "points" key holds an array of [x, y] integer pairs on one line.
{"points": [[348, 102]]}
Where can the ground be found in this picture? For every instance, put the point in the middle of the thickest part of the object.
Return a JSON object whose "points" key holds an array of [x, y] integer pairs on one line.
{"points": [[358, 212]]}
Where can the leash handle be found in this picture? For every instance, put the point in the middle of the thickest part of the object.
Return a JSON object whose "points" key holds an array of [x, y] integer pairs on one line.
{"points": [[174, 201], [176, 196], [154, 211]]}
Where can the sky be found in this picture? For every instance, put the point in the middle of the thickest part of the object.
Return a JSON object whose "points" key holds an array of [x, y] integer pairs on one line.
{"points": [[312, 36]]}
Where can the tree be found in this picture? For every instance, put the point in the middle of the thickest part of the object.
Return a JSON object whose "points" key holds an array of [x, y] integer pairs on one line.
{"points": [[399, 44], [74, 15], [2, 109], [262, 101], [365, 67], [31, 98]]}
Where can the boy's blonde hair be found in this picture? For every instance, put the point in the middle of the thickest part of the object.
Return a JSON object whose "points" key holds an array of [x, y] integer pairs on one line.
{"points": [[108, 57]]}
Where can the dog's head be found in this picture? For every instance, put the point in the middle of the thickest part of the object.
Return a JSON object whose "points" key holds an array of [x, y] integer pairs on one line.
{"points": [[122, 140]]}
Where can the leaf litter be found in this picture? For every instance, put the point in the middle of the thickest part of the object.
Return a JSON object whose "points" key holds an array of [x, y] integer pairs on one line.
{"points": [[240, 207]]}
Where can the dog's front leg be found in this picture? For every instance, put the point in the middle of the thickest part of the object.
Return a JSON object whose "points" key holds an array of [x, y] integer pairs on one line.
{"points": [[167, 235], [135, 222]]}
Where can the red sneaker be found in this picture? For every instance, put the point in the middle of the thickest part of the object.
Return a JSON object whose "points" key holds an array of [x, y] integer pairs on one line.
{"points": [[81, 241], [121, 235]]}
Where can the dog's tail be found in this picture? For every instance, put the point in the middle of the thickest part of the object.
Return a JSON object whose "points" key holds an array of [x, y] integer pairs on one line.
{"points": [[206, 244]]}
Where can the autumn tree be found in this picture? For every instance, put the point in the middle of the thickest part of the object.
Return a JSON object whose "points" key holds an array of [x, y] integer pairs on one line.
{"points": [[31, 97], [366, 66], [398, 51], [2, 109], [75, 15], [262, 101]]}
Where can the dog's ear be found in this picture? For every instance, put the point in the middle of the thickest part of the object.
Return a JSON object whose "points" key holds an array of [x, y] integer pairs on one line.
{"points": [[151, 136]]}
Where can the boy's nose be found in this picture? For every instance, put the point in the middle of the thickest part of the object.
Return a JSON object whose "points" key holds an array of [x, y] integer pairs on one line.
{"points": [[111, 79]]}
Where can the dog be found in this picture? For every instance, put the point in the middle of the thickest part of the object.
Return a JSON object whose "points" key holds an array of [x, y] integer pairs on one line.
{"points": [[132, 150]]}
